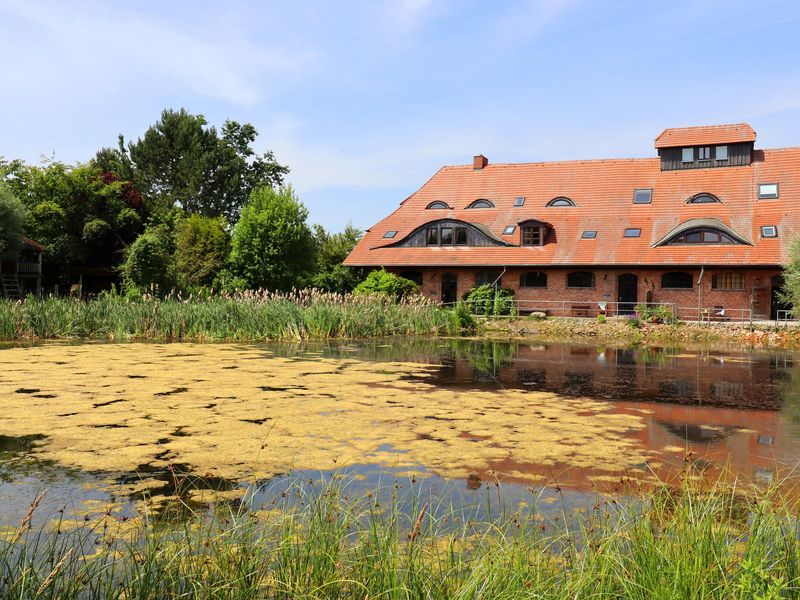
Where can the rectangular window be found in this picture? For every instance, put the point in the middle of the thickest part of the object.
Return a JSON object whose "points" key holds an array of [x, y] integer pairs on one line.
{"points": [[509, 229], [633, 232], [531, 236], [767, 190], [704, 153], [519, 201], [446, 234], [432, 238], [727, 281], [461, 236], [721, 152], [687, 155], [589, 234], [769, 231], [390, 234], [642, 196]]}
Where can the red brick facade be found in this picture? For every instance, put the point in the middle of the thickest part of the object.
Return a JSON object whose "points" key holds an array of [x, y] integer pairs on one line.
{"points": [[557, 298]]}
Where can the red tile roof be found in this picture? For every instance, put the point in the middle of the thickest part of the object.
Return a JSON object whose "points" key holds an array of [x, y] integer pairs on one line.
{"points": [[707, 134], [603, 192]]}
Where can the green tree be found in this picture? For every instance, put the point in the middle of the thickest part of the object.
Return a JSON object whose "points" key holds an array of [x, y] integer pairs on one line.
{"points": [[331, 250], [790, 294], [12, 221], [201, 249], [147, 264], [181, 161], [383, 282], [85, 217], [272, 246]]}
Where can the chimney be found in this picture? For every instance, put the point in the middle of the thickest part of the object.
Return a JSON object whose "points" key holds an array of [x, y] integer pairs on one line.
{"points": [[478, 162]]}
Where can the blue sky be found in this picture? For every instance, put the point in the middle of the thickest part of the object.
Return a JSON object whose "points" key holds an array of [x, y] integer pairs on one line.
{"points": [[366, 100]]}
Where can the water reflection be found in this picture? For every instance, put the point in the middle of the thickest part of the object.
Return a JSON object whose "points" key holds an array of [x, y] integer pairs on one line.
{"points": [[711, 408]]}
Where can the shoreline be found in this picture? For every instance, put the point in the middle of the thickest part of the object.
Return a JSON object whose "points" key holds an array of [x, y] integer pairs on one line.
{"points": [[618, 331]]}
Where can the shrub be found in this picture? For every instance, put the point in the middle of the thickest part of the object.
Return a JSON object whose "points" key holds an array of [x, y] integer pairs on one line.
{"points": [[463, 319], [655, 313], [147, 265], [383, 282], [486, 300], [601, 318]]}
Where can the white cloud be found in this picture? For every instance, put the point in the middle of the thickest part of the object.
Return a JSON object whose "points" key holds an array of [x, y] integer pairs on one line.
{"points": [[103, 44]]}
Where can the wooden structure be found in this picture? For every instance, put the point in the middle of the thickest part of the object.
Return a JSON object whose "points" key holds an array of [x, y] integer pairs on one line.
{"points": [[21, 275]]}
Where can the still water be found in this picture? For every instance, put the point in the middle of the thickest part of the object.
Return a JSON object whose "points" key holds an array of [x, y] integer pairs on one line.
{"points": [[104, 426]]}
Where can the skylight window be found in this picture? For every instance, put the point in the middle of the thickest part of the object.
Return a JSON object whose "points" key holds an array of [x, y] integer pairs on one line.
{"points": [[589, 234], [509, 229], [769, 231], [643, 196], [389, 234], [633, 232], [519, 201], [767, 190]]}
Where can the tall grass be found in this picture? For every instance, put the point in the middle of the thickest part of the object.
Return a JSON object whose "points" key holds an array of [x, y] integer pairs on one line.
{"points": [[670, 544], [249, 316]]}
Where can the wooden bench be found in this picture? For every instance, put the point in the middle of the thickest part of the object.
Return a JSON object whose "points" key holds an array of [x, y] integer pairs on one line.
{"points": [[581, 310]]}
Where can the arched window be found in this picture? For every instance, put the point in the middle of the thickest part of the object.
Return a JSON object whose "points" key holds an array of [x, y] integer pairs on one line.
{"points": [[560, 201], [703, 235], [580, 279], [415, 276], [679, 280], [533, 279], [481, 203], [703, 198], [727, 281], [437, 204], [484, 277]]}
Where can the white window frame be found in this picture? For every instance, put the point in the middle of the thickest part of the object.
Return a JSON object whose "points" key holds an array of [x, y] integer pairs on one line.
{"points": [[723, 150], [768, 196], [509, 229], [772, 229], [687, 155]]}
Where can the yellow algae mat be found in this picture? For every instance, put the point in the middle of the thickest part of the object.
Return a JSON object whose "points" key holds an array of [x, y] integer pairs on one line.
{"points": [[239, 412]]}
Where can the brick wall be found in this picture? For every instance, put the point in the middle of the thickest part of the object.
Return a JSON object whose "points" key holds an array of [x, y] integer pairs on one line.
{"points": [[756, 285]]}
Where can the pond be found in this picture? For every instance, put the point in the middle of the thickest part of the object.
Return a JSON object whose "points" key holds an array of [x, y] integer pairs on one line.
{"points": [[102, 427]]}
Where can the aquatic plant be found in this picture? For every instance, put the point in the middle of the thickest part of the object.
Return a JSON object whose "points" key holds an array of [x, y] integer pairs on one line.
{"points": [[245, 316], [318, 542]]}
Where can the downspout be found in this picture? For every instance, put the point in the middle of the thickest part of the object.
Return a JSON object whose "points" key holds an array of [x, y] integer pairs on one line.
{"points": [[700, 294], [499, 277]]}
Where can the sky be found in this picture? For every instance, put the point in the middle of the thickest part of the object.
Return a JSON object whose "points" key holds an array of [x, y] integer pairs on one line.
{"points": [[365, 101]]}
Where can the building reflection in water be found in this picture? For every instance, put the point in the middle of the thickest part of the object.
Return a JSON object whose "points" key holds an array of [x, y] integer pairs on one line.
{"points": [[732, 409]]}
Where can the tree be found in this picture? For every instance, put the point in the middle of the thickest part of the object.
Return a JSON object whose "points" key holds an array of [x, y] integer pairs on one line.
{"points": [[85, 217], [383, 282], [272, 246], [201, 249], [790, 294], [147, 264], [181, 161], [331, 250], [12, 221]]}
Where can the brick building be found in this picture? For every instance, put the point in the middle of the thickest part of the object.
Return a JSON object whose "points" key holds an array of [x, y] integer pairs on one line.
{"points": [[704, 226]]}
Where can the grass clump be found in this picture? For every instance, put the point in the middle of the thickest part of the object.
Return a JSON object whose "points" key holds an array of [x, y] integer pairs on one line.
{"points": [[247, 316], [666, 544]]}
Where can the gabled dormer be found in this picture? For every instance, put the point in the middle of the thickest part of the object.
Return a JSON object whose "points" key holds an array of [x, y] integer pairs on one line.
{"points": [[706, 147]]}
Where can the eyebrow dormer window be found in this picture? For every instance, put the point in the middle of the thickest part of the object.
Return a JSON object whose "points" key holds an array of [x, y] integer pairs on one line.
{"points": [[482, 203], [437, 205], [561, 201], [702, 199], [703, 235]]}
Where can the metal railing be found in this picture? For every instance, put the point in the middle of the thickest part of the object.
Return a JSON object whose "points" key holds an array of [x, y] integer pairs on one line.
{"points": [[784, 317], [591, 309]]}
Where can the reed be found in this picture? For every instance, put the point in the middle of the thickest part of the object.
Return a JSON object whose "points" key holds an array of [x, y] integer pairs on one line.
{"points": [[692, 542], [247, 316]]}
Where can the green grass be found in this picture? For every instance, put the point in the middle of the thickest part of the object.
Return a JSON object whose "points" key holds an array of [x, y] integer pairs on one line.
{"points": [[670, 544], [250, 316]]}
